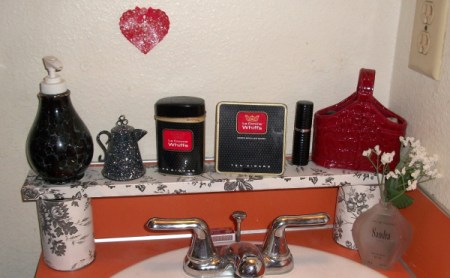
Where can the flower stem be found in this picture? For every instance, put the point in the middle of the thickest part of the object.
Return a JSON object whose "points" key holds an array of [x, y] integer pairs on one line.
{"points": [[396, 196]]}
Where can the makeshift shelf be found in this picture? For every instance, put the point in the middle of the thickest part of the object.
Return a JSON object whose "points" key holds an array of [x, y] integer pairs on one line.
{"points": [[94, 185]]}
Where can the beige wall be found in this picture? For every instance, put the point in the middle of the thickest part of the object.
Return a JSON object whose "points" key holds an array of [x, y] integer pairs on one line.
{"points": [[425, 103], [268, 51]]}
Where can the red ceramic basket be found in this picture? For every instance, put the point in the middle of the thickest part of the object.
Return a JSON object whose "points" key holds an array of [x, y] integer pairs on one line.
{"points": [[344, 130]]}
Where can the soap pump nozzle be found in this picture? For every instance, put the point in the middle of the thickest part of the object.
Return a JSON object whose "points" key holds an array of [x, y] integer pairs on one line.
{"points": [[52, 84]]}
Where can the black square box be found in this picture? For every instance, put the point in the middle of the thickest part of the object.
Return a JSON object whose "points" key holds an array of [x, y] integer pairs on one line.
{"points": [[250, 137]]}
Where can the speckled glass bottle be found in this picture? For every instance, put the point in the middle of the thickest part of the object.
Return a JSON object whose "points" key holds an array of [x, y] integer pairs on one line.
{"points": [[59, 145]]}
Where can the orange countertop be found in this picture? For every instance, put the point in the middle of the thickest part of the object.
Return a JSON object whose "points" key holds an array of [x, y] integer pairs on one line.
{"points": [[427, 256]]}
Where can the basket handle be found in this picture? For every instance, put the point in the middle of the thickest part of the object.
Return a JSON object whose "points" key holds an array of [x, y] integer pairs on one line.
{"points": [[365, 84]]}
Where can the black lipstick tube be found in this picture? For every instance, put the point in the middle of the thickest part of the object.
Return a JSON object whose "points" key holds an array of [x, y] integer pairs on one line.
{"points": [[302, 132]]}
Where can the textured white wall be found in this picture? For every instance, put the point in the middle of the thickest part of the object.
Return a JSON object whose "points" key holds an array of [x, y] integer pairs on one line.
{"points": [[267, 51], [425, 103]]}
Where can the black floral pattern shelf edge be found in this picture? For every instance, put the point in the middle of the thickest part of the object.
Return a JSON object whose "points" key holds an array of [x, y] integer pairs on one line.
{"points": [[94, 185]]}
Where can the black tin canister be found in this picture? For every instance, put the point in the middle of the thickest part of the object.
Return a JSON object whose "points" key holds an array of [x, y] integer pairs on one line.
{"points": [[180, 135]]}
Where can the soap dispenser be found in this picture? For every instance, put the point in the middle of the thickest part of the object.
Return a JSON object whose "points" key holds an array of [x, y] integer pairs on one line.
{"points": [[59, 146]]}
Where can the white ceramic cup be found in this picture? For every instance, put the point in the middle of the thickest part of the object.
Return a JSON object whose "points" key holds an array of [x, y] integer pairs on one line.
{"points": [[67, 234], [352, 200]]}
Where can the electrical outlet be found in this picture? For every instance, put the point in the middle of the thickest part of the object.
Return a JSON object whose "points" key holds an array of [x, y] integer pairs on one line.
{"points": [[428, 37]]}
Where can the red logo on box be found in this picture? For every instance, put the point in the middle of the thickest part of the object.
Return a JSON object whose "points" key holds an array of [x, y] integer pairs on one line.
{"points": [[251, 122], [177, 140]]}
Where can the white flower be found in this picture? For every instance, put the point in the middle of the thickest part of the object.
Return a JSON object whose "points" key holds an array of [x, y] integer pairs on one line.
{"points": [[415, 144], [412, 185], [415, 166], [433, 174], [377, 150], [367, 152], [387, 158], [403, 140], [415, 174], [402, 172], [407, 141], [391, 174]]}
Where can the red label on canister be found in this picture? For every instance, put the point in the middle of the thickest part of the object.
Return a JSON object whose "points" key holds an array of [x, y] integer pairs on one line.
{"points": [[177, 140], [251, 122]]}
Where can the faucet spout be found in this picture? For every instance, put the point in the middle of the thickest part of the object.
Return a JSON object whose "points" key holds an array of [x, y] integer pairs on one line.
{"points": [[277, 256], [247, 259]]}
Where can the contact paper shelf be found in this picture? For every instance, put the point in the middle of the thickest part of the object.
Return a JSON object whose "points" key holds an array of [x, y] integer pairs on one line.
{"points": [[94, 185]]}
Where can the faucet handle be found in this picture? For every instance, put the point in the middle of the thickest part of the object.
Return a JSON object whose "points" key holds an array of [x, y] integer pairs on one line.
{"points": [[202, 257], [277, 256], [238, 216]]}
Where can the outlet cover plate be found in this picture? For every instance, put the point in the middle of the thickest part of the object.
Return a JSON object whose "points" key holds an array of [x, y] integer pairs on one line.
{"points": [[428, 37]]}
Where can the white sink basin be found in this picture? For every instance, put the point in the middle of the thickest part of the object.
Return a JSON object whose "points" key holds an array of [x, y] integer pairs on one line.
{"points": [[307, 263]]}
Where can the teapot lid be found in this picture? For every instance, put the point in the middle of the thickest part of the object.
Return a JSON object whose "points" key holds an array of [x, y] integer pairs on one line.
{"points": [[122, 125]]}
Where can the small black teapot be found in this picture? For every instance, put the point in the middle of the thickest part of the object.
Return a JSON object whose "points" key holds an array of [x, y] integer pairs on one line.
{"points": [[122, 158]]}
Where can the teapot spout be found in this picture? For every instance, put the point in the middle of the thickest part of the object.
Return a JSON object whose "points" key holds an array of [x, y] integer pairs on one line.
{"points": [[139, 133]]}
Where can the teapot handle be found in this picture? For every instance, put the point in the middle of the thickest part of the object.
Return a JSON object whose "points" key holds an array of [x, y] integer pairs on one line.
{"points": [[107, 133]]}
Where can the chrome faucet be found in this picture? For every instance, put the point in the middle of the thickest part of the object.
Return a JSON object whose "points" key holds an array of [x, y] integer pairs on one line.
{"points": [[241, 259]]}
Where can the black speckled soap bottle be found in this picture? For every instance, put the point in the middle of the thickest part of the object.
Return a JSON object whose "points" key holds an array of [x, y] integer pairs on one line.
{"points": [[59, 145]]}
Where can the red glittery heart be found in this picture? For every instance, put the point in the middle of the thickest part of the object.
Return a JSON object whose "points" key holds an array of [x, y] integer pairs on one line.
{"points": [[144, 28]]}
